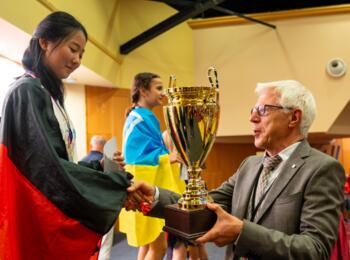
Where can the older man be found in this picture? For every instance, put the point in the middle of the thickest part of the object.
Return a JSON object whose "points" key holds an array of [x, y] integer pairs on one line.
{"points": [[97, 143], [286, 204]]}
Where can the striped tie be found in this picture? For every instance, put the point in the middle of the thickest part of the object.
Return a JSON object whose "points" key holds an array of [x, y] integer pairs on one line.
{"points": [[269, 163]]}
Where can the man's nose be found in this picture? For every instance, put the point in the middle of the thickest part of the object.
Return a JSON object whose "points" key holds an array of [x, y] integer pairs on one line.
{"points": [[254, 117]]}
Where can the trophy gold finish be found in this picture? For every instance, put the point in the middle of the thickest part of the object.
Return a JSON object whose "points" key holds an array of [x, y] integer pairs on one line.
{"points": [[192, 117]]}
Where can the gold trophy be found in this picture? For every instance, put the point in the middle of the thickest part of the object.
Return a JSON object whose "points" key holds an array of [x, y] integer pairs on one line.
{"points": [[192, 117]]}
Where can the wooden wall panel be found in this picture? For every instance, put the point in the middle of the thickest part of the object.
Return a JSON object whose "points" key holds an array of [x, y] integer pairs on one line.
{"points": [[158, 111], [345, 154], [105, 112], [339, 148], [223, 160]]}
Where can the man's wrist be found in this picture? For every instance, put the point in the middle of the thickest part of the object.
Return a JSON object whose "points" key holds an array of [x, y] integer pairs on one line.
{"points": [[156, 194], [155, 197], [240, 229]]}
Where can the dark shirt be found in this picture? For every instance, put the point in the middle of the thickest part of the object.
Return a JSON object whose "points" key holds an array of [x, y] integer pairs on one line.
{"points": [[93, 156]]}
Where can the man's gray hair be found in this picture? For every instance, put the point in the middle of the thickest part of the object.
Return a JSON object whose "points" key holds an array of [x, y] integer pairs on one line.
{"points": [[294, 95], [97, 140]]}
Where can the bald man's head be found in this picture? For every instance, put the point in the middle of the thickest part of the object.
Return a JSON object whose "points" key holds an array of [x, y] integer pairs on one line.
{"points": [[97, 142]]}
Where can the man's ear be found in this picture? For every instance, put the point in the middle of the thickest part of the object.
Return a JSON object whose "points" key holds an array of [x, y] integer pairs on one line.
{"points": [[295, 118], [43, 44]]}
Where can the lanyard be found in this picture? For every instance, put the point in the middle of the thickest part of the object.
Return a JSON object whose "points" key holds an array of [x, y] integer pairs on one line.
{"points": [[62, 111], [254, 209], [65, 116]]}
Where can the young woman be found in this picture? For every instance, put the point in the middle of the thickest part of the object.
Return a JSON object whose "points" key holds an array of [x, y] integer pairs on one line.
{"points": [[51, 208], [147, 158]]}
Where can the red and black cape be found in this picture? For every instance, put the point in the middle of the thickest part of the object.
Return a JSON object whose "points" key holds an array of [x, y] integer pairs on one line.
{"points": [[50, 208]]}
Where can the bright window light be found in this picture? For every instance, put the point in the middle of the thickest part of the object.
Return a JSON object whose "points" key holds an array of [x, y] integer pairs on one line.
{"points": [[9, 70]]}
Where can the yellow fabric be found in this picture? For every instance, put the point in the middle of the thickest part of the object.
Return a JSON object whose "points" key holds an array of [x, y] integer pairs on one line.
{"points": [[142, 230]]}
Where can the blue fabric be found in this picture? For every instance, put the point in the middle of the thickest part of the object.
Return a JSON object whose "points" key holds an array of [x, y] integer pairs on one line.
{"points": [[93, 156], [143, 142]]}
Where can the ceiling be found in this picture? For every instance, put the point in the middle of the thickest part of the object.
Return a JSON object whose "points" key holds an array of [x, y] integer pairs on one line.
{"points": [[13, 41], [250, 6], [199, 9]]}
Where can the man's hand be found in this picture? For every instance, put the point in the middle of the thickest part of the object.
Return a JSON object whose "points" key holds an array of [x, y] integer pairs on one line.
{"points": [[226, 229], [119, 158], [147, 190], [140, 197]]}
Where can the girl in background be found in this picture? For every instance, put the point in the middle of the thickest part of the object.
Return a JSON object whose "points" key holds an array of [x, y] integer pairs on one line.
{"points": [[147, 158]]}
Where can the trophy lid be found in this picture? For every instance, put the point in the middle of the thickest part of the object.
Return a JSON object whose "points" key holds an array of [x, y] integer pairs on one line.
{"points": [[194, 94]]}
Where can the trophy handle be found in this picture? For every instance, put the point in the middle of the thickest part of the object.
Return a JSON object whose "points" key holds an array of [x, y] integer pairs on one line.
{"points": [[213, 77], [172, 81]]}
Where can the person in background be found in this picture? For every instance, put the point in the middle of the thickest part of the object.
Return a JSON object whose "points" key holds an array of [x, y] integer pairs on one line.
{"points": [[49, 208], [177, 248], [147, 158], [97, 143], [285, 204]]}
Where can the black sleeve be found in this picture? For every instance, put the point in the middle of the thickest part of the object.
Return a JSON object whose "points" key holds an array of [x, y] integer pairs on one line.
{"points": [[34, 142]]}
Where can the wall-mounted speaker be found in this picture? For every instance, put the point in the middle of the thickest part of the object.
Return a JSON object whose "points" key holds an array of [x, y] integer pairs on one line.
{"points": [[336, 68]]}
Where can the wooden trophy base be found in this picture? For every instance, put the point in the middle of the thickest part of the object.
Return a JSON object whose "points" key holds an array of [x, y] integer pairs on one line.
{"points": [[188, 224]]}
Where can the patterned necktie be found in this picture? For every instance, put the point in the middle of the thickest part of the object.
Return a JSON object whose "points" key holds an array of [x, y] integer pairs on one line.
{"points": [[270, 163]]}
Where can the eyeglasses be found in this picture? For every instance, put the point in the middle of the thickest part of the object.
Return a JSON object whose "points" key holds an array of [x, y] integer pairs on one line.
{"points": [[262, 109]]}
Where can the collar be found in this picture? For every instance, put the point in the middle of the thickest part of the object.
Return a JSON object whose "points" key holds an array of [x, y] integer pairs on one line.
{"points": [[286, 152]]}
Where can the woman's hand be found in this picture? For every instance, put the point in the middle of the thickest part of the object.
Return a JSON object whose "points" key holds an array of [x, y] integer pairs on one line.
{"points": [[175, 157], [119, 158]]}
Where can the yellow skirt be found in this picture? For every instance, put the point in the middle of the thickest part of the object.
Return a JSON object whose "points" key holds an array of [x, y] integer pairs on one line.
{"points": [[142, 230]]}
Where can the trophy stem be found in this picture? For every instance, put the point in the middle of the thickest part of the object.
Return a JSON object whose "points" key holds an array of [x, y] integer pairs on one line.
{"points": [[196, 194]]}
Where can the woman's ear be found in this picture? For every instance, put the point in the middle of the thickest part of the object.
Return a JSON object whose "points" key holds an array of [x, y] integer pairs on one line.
{"points": [[43, 44], [143, 92]]}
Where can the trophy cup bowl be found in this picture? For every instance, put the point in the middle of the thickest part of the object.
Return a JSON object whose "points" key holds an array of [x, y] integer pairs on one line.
{"points": [[192, 117]]}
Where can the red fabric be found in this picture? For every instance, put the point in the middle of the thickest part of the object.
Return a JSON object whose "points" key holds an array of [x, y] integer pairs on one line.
{"points": [[347, 185], [341, 249], [31, 227], [97, 253]]}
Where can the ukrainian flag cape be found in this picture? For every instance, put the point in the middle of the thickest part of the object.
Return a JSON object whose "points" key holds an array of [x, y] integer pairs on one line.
{"points": [[147, 159]]}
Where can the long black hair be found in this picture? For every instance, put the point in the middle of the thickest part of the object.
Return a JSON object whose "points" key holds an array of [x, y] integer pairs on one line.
{"points": [[141, 81], [55, 28]]}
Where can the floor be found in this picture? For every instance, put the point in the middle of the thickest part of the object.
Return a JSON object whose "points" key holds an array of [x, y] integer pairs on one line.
{"points": [[122, 251]]}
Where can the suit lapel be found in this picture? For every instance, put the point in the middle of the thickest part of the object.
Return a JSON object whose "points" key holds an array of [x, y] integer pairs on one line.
{"points": [[247, 179], [292, 165]]}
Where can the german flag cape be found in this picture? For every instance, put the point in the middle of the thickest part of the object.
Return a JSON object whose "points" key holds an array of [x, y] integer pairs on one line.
{"points": [[50, 208], [147, 158]]}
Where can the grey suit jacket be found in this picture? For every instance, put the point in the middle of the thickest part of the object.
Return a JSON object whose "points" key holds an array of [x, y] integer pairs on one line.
{"points": [[298, 218]]}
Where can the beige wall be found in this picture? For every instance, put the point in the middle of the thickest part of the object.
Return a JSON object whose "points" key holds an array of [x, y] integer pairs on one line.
{"points": [[169, 53], [249, 53]]}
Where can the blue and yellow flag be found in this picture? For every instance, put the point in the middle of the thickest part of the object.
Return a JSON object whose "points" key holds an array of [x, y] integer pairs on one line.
{"points": [[147, 158]]}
